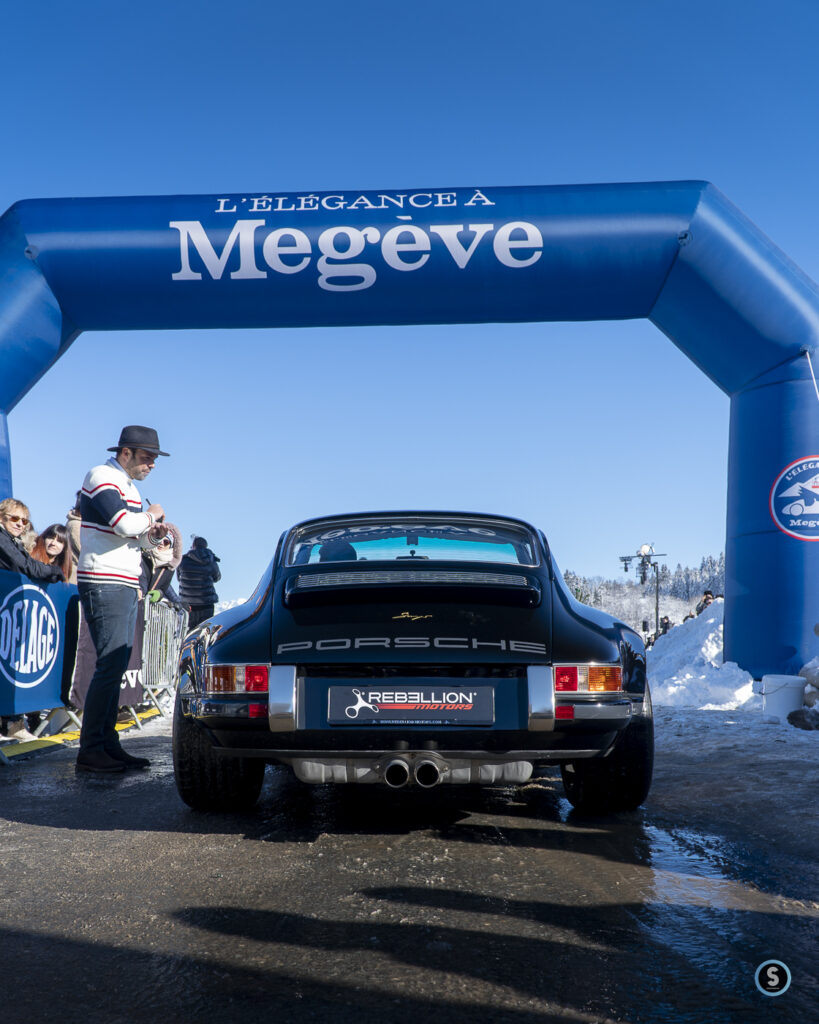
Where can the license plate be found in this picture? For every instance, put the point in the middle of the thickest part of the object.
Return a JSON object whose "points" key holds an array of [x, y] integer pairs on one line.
{"points": [[411, 705]]}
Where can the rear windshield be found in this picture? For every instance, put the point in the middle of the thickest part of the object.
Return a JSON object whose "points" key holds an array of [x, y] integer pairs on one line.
{"points": [[408, 540]]}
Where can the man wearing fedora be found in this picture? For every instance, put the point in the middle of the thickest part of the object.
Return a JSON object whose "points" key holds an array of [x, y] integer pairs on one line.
{"points": [[115, 530]]}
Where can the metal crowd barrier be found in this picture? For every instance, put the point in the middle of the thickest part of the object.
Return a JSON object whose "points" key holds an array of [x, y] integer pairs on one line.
{"points": [[165, 628]]}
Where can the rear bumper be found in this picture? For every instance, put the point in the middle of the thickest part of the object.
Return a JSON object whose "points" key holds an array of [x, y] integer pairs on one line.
{"points": [[531, 725]]}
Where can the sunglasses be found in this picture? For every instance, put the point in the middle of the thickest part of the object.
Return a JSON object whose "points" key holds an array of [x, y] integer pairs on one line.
{"points": [[17, 519]]}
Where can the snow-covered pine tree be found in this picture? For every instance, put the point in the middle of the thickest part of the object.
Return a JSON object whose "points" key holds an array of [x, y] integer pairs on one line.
{"points": [[634, 603]]}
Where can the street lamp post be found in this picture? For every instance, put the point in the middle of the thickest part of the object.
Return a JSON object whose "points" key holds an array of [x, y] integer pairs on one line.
{"points": [[645, 553], [655, 566]]}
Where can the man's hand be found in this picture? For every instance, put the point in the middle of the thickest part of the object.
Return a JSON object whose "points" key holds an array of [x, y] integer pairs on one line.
{"points": [[157, 533], [157, 511]]}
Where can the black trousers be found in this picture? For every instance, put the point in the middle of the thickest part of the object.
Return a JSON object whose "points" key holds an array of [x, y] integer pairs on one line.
{"points": [[199, 613], [110, 610]]}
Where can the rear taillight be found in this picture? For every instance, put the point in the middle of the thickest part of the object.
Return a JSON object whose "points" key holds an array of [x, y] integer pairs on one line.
{"points": [[588, 678], [566, 677], [256, 678], [220, 679], [236, 679], [605, 678]]}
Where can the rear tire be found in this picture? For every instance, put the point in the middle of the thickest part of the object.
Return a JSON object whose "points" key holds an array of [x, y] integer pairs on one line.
{"points": [[619, 782], [207, 782]]}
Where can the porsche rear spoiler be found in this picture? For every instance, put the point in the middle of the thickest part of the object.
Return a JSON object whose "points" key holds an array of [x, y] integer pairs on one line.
{"points": [[467, 587]]}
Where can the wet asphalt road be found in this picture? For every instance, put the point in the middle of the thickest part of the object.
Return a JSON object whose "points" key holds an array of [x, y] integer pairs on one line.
{"points": [[121, 906]]}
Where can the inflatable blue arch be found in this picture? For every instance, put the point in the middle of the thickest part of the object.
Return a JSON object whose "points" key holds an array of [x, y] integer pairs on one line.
{"points": [[677, 253]]}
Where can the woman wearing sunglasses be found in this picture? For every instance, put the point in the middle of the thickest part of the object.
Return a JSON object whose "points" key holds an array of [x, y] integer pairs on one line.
{"points": [[14, 518], [159, 565]]}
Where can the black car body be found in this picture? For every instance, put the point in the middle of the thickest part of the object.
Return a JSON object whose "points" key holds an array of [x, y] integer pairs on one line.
{"points": [[413, 648]]}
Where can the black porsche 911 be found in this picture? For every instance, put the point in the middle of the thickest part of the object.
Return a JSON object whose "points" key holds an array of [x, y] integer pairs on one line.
{"points": [[413, 648]]}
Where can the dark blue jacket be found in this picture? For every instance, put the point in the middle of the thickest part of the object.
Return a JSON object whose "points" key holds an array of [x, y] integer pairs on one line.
{"points": [[196, 574], [15, 558]]}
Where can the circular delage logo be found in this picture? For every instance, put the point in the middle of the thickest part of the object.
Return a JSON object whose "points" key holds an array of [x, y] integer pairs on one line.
{"points": [[794, 499], [29, 636], [772, 978]]}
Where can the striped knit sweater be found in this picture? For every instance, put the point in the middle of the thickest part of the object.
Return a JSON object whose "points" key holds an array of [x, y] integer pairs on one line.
{"points": [[114, 527]]}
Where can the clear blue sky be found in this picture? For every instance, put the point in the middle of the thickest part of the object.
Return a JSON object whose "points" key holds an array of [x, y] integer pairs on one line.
{"points": [[615, 439]]}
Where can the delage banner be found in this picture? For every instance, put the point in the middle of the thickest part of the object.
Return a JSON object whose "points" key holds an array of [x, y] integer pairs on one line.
{"points": [[37, 626]]}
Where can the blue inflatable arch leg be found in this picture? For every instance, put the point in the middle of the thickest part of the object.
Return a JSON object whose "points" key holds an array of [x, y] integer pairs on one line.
{"points": [[771, 608], [5, 458]]}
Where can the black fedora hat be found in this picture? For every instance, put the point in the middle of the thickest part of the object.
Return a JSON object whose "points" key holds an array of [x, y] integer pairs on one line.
{"points": [[135, 436]]}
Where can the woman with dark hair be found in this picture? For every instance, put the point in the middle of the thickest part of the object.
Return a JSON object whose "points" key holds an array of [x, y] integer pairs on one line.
{"points": [[52, 548]]}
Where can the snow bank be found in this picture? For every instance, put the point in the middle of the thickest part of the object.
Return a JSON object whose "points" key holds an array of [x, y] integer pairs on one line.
{"points": [[811, 673], [686, 670]]}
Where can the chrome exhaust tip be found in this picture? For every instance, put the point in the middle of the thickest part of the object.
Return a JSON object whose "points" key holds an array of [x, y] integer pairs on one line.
{"points": [[427, 774], [397, 774]]}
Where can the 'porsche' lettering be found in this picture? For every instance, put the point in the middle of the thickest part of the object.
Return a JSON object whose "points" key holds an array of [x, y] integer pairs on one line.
{"points": [[526, 648], [398, 643]]}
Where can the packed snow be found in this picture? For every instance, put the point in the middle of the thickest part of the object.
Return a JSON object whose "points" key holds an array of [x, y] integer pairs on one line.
{"points": [[712, 707], [686, 670]]}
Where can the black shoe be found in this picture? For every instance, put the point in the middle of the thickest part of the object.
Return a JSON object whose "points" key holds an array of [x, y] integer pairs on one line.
{"points": [[98, 761], [129, 760]]}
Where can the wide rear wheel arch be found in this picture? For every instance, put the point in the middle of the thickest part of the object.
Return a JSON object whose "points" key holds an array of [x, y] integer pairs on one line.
{"points": [[205, 781]]}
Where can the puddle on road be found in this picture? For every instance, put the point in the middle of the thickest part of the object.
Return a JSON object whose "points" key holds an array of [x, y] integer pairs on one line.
{"points": [[720, 908], [697, 868]]}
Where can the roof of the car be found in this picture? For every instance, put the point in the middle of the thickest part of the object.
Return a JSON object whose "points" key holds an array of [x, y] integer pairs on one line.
{"points": [[415, 514]]}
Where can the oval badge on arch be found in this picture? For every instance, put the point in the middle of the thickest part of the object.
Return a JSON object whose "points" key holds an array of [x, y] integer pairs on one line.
{"points": [[29, 636], [794, 499]]}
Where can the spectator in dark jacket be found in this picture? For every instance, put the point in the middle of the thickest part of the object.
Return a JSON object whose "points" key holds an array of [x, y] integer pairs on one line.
{"points": [[14, 518], [197, 572]]}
